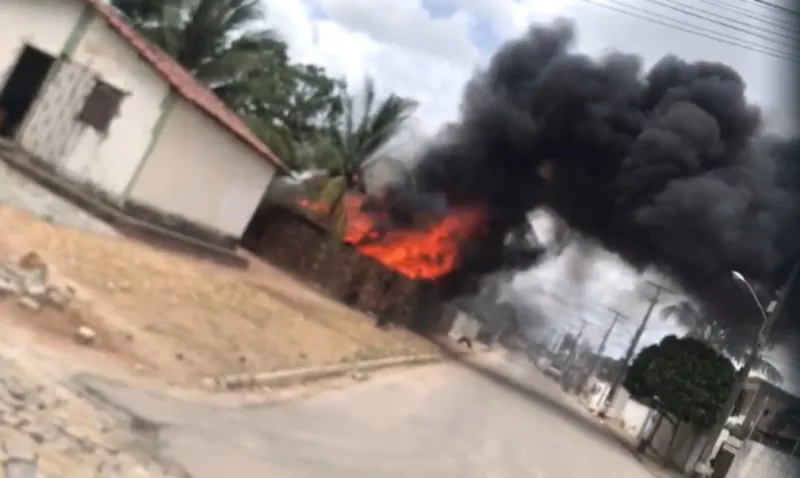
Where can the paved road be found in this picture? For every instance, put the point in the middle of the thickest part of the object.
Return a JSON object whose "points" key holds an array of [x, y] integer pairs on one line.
{"points": [[443, 421]]}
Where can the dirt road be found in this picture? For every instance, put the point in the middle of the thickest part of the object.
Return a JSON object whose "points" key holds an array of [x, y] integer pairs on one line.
{"points": [[444, 420]]}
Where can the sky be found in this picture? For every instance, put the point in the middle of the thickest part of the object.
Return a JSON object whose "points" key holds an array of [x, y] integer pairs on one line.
{"points": [[427, 50]]}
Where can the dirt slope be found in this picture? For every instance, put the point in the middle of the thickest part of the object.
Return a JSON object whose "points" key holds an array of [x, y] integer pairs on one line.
{"points": [[175, 318]]}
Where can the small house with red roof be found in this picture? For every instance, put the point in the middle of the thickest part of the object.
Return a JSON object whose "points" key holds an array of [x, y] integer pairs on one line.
{"points": [[82, 91]]}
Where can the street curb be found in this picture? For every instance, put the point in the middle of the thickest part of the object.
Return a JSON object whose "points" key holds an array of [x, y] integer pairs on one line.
{"points": [[285, 378]]}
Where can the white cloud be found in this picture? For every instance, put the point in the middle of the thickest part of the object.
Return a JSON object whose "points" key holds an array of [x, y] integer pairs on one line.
{"points": [[407, 52], [410, 52]]}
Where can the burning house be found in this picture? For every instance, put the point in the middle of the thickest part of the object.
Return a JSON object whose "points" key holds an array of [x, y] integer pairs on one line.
{"points": [[396, 275], [667, 167]]}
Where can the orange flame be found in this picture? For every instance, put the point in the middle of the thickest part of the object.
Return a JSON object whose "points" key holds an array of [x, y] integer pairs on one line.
{"points": [[417, 254]]}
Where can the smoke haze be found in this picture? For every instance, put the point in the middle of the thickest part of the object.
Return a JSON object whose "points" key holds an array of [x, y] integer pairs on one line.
{"points": [[668, 168]]}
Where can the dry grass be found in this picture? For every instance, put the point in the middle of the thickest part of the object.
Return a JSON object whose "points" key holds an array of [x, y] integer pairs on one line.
{"points": [[181, 318]]}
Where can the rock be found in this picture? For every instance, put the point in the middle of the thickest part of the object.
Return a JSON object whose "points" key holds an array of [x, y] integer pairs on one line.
{"points": [[85, 336], [34, 283], [21, 468], [29, 303], [16, 388], [209, 383], [57, 297], [43, 432], [9, 285], [16, 449], [34, 274], [359, 376]]}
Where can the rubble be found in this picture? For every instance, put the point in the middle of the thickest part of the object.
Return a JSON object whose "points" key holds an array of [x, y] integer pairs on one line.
{"points": [[28, 281], [50, 430], [84, 335]]}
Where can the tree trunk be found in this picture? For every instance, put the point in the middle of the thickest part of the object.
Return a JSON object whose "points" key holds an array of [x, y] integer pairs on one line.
{"points": [[645, 443]]}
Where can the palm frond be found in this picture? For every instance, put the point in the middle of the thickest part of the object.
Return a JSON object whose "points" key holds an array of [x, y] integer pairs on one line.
{"points": [[332, 193]]}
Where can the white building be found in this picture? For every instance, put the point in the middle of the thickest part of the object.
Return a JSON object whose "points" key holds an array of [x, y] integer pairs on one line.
{"points": [[82, 91]]}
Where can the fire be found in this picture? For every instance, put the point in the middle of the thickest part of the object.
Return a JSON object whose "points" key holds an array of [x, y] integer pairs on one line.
{"points": [[417, 254]]}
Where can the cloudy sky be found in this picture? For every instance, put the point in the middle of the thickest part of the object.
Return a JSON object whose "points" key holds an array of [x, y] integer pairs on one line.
{"points": [[426, 49]]}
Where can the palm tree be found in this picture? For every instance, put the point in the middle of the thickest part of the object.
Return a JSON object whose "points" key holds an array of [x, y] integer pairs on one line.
{"points": [[735, 343], [364, 128], [223, 43]]}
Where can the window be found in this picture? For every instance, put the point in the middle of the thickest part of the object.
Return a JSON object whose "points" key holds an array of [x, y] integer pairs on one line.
{"points": [[101, 106]]}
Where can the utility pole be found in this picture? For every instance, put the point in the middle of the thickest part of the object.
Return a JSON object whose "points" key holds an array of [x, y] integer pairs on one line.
{"points": [[632, 349], [774, 312], [577, 342], [602, 347], [567, 377]]}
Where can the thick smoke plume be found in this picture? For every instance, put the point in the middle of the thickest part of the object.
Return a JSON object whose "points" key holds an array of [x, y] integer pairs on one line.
{"points": [[668, 168]]}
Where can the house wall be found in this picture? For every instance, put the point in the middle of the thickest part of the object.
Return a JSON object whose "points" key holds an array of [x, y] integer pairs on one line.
{"points": [[200, 171], [757, 460], [46, 24], [51, 131]]}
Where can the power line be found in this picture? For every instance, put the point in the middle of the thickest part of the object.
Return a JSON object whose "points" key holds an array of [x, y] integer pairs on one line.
{"points": [[777, 7], [703, 15], [755, 15], [697, 31]]}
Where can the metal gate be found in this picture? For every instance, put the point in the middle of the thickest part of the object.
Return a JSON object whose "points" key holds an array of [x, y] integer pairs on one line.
{"points": [[51, 130]]}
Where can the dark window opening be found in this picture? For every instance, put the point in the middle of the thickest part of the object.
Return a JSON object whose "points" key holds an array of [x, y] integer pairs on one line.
{"points": [[21, 89], [101, 107]]}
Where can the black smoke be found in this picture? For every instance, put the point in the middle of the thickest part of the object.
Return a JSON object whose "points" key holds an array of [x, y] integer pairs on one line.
{"points": [[666, 167]]}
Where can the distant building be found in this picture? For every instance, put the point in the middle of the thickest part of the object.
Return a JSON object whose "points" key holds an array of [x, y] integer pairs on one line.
{"points": [[766, 407]]}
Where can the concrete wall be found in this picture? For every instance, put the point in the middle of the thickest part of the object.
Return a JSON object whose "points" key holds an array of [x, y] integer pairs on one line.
{"points": [[51, 131], [635, 417], [202, 172]]}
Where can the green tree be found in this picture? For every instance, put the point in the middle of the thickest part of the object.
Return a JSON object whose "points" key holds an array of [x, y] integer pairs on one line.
{"points": [[226, 46], [735, 342], [223, 43], [684, 380], [365, 126]]}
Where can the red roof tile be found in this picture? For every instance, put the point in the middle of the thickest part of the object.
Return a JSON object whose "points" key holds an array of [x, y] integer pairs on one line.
{"points": [[184, 83]]}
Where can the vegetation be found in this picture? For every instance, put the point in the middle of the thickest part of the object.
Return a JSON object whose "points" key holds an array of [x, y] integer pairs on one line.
{"points": [[308, 117], [736, 342], [365, 127], [684, 380]]}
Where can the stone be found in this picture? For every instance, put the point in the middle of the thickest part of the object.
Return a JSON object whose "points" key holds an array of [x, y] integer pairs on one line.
{"points": [[29, 303], [18, 450], [15, 388], [34, 274], [43, 432], [209, 383], [85, 335], [35, 283], [9, 286], [16, 468], [57, 297]]}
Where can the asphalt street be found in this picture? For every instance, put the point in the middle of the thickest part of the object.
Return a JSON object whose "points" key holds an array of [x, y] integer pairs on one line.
{"points": [[444, 421]]}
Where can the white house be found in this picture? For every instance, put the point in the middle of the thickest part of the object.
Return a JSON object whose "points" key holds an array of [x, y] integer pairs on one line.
{"points": [[82, 91]]}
